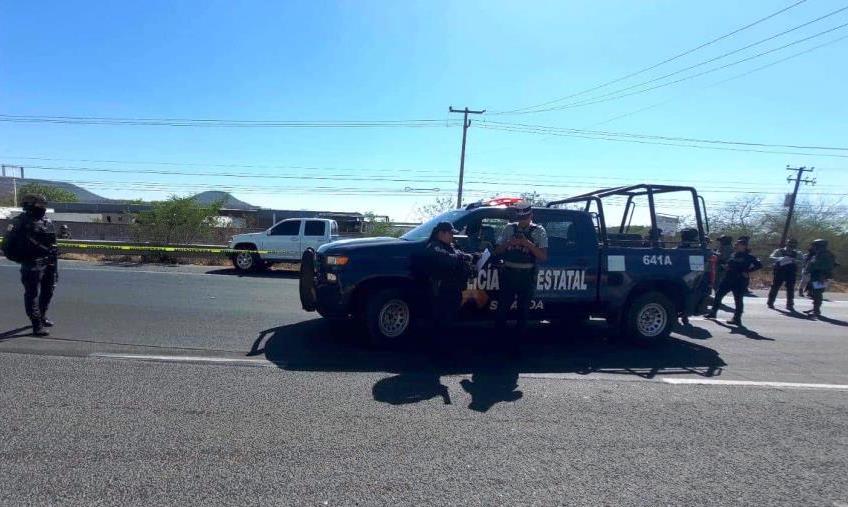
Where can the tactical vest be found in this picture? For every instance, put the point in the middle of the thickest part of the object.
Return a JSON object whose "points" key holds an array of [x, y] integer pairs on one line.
{"points": [[518, 257]]}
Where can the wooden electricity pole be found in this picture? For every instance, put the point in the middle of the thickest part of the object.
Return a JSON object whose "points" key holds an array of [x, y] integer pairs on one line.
{"points": [[465, 124], [798, 179]]}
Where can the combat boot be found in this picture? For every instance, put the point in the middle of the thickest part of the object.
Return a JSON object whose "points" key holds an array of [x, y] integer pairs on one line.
{"points": [[735, 321], [45, 322], [38, 329]]}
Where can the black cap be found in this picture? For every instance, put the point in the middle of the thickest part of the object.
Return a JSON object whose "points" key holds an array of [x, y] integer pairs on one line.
{"points": [[445, 227]]}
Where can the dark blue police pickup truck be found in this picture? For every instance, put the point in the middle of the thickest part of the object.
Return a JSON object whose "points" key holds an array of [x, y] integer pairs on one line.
{"points": [[639, 283]]}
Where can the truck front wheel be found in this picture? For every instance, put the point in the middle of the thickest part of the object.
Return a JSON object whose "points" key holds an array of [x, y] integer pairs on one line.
{"points": [[388, 317], [246, 261], [649, 318]]}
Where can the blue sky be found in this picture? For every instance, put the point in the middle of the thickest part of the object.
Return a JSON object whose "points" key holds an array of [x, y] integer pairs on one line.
{"points": [[400, 60]]}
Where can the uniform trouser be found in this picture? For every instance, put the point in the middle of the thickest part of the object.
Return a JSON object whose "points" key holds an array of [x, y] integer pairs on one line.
{"points": [[781, 278], [445, 302], [737, 287], [515, 284], [818, 297], [39, 279]]}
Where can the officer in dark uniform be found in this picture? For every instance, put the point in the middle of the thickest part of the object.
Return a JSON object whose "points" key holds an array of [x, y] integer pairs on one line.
{"points": [[64, 232], [448, 270], [39, 267], [521, 246], [747, 241], [820, 267], [785, 270], [736, 280], [723, 254]]}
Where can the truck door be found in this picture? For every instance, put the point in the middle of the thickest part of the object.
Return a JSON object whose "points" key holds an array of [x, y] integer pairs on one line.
{"points": [[315, 234], [570, 273], [284, 240]]}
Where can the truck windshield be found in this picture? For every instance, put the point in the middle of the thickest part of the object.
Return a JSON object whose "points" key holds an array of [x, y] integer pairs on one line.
{"points": [[423, 231]]}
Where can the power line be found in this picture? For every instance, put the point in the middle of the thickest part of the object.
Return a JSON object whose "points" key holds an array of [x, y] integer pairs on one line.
{"points": [[664, 138], [738, 76], [663, 62], [496, 184], [539, 181], [342, 171], [607, 98], [640, 141], [209, 122]]}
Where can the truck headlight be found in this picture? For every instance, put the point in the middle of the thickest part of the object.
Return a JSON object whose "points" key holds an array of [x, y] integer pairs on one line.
{"points": [[337, 260]]}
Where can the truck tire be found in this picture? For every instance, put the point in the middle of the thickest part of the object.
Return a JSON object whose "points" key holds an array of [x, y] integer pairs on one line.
{"points": [[247, 262], [649, 318], [388, 317], [308, 296]]}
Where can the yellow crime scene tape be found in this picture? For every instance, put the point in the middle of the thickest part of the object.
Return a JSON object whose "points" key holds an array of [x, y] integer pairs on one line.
{"points": [[152, 248]]}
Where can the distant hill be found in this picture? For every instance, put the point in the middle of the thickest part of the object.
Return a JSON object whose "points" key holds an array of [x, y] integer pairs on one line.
{"points": [[85, 196], [6, 189], [229, 201]]}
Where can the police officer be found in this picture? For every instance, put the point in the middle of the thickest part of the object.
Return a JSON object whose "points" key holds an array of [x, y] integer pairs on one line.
{"points": [[448, 272], [39, 270], [723, 254], [820, 269], [735, 280], [64, 232], [786, 261], [521, 246], [747, 241]]}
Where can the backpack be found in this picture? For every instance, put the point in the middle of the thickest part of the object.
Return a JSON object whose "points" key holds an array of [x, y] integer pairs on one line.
{"points": [[13, 243]]}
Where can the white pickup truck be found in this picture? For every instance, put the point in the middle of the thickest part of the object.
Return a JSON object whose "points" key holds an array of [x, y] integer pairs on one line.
{"points": [[285, 241]]}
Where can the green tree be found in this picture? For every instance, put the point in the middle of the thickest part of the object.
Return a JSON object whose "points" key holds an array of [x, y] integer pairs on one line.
{"points": [[439, 205], [534, 198], [177, 220], [764, 224], [376, 226], [52, 194]]}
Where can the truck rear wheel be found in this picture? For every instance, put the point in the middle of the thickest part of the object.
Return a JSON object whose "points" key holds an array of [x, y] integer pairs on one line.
{"points": [[649, 318], [388, 317]]}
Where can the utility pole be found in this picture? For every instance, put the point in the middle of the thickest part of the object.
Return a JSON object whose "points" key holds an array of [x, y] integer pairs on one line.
{"points": [[798, 179], [465, 124], [14, 181]]}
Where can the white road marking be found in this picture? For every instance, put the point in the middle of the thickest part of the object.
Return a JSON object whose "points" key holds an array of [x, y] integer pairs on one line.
{"points": [[185, 359], [751, 383], [226, 361]]}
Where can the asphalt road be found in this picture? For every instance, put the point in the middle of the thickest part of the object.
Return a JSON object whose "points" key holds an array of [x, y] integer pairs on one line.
{"points": [[194, 385]]}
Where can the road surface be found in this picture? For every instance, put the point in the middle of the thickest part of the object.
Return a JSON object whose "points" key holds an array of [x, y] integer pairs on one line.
{"points": [[194, 385]]}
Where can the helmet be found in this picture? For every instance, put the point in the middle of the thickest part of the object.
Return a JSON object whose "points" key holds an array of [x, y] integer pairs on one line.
{"points": [[821, 244], [792, 242], [689, 235], [30, 200], [724, 239]]}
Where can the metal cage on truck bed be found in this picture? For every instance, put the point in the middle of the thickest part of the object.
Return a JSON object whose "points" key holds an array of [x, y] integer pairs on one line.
{"points": [[630, 192]]}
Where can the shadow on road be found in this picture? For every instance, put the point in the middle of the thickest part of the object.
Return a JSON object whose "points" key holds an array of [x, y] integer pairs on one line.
{"points": [[16, 333], [268, 273], [744, 331], [692, 331], [835, 322], [494, 365]]}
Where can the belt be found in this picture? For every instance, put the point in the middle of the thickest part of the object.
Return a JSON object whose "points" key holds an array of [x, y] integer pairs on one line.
{"points": [[519, 265]]}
